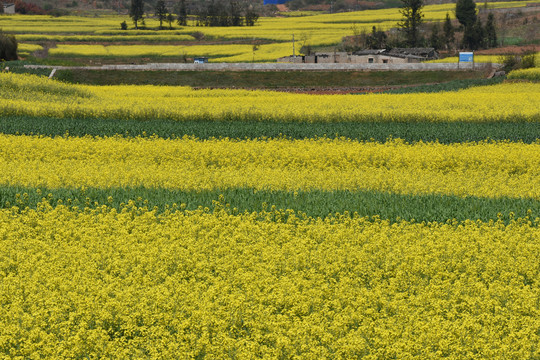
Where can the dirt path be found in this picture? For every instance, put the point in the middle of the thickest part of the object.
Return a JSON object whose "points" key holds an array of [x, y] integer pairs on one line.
{"points": [[513, 49]]}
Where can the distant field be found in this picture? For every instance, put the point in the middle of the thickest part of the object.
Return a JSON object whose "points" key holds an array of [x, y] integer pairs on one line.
{"points": [[272, 35]]}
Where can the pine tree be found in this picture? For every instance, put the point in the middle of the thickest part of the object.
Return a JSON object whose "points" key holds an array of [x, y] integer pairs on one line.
{"points": [[479, 35], [466, 15], [161, 12], [448, 32], [474, 36], [466, 12], [435, 39], [412, 14], [136, 12], [491, 33]]}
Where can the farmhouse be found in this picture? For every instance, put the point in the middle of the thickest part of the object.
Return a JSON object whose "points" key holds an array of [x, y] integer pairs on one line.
{"points": [[9, 8], [377, 56]]}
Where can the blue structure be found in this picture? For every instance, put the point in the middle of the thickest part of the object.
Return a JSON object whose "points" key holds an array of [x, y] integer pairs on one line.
{"points": [[275, 2], [466, 57]]}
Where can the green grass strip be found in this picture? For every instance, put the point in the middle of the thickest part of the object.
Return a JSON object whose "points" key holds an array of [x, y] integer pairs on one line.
{"points": [[315, 203], [264, 79], [454, 132], [454, 85]]}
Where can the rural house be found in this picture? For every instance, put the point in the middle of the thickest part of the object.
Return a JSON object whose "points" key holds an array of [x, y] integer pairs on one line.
{"points": [[376, 56], [9, 8]]}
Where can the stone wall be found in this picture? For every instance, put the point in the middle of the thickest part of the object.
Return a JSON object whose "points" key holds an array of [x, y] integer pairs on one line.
{"points": [[278, 67]]}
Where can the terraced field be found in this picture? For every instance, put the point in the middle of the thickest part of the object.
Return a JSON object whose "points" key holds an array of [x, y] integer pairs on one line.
{"points": [[100, 38]]}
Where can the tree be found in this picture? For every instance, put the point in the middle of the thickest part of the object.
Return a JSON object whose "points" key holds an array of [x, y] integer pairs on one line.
{"points": [[136, 12], [1, 6], [182, 13], [236, 18], [466, 12], [251, 17], [8, 47], [412, 18], [436, 40], [479, 35], [474, 36], [466, 15], [377, 39], [170, 20], [448, 32], [161, 12], [491, 33]]}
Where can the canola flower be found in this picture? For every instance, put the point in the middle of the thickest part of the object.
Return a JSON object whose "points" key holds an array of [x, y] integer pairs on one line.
{"points": [[26, 49], [133, 284], [486, 169], [38, 96], [133, 36], [532, 74], [218, 53]]}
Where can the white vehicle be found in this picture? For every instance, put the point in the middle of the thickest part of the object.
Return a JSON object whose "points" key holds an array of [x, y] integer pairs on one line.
{"points": [[200, 60]]}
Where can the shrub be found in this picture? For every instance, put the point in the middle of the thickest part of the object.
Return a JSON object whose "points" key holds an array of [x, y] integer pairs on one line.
{"points": [[198, 35], [528, 60], [514, 62], [8, 47], [58, 12], [123, 25], [509, 62]]}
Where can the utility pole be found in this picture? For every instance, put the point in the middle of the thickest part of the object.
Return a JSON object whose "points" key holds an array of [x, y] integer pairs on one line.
{"points": [[293, 53]]}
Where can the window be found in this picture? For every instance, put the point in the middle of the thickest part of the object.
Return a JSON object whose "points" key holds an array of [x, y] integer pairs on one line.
{"points": [[385, 61], [370, 60]]}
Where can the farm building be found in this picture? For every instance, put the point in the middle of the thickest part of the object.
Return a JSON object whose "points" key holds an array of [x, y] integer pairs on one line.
{"points": [[9, 8], [379, 56]]}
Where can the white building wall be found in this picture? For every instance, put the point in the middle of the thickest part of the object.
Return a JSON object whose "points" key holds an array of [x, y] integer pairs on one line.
{"points": [[9, 8]]}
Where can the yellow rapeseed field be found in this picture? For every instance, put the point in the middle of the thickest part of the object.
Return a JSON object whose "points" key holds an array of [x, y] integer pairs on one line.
{"points": [[38, 96], [526, 74], [111, 284], [219, 53], [487, 169]]}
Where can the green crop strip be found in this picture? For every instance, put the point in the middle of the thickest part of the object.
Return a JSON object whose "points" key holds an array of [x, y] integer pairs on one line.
{"points": [[263, 79], [454, 85], [454, 132], [315, 203]]}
